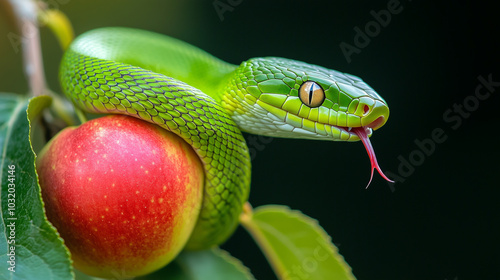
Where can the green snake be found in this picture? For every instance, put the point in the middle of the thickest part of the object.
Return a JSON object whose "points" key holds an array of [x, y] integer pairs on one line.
{"points": [[209, 102]]}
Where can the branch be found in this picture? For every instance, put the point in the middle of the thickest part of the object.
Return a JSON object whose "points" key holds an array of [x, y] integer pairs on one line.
{"points": [[24, 14]]}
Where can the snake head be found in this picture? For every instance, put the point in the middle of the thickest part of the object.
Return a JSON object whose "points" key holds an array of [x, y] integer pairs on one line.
{"points": [[287, 98]]}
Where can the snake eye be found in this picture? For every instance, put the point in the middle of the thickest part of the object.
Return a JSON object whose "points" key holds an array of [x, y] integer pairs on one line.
{"points": [[311, 94]]}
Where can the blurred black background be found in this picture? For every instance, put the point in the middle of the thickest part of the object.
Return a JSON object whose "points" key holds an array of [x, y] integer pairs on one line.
{"points": [[442, 222]]}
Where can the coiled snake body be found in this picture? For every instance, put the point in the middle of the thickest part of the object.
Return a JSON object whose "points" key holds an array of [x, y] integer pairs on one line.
{"points": [[209, 102]]}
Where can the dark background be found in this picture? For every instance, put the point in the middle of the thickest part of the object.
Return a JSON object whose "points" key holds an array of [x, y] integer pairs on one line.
{"points": [[442, 222]]}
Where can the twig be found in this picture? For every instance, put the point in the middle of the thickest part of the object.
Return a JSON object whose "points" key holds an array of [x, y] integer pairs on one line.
{"points": [[25, 13]]}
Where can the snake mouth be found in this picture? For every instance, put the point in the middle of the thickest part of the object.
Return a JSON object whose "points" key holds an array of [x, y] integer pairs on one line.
{"points": [[352, 131], [377, 123], [368, 128]]}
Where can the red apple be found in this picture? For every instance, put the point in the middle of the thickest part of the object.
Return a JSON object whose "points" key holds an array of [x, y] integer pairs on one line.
{"points": [[124, 194]]}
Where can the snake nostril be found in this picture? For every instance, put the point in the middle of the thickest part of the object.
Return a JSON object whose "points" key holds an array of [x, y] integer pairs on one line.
{"points": [[366, 109]]}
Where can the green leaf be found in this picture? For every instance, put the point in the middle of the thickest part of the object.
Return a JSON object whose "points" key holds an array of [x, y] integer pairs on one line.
{"points": [[38, 251], [295, 245], [210, 264]]}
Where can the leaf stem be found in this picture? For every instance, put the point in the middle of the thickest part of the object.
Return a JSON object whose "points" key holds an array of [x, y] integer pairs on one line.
{"points": [[254, 230], [81, 115]]}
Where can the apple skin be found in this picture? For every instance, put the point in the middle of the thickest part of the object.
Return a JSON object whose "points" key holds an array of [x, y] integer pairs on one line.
{"points": [[124, 194]]}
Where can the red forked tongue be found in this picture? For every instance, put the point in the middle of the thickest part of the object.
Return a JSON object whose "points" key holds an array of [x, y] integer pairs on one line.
{"points": [[361, 132]]}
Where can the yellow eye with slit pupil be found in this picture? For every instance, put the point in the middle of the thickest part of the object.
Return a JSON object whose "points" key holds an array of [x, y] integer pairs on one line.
{"points": [[311, 94]]}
